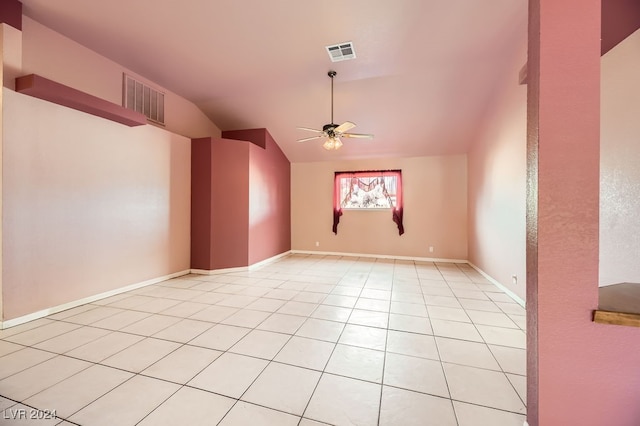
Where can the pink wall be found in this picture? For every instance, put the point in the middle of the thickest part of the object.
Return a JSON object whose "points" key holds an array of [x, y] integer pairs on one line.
{"points": [[230, 194], [201, 204], [269, 195], [620, 19], [435, 213], [241, 200], [269, 201], [11, 13], [88, 205], [619, 171], [219, 203], [579, 372]]}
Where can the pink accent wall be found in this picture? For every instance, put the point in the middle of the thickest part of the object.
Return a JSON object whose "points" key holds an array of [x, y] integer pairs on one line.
{"points": [[201, 204], [89, 205], [582, 373], [619, 171], [220, 203], [620, 19], [11, 13], [435, 209], [241, 200], [269, 195], [269, 201], [230, 190]]}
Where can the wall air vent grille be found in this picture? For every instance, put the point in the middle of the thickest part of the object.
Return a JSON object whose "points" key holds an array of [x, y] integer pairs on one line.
{"points": [[142, 98], [341, 52]]}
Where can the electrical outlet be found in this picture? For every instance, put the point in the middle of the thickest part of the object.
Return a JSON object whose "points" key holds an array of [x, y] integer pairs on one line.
{"points": [[514, 279], [317, 243], [430, 249]]}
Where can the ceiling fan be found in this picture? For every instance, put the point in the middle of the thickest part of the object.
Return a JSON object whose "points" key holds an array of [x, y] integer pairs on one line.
{"points": [[332, 131]]}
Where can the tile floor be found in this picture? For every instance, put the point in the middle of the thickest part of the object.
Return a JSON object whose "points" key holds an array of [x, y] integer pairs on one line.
{"points": [[306, 340]]}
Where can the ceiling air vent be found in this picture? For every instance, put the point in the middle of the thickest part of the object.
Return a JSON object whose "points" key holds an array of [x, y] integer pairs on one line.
{"points": [[341, 52], [142, 98]]}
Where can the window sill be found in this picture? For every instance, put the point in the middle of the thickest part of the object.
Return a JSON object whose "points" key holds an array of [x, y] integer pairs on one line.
{"points": [[619, 305], [369, 209]]}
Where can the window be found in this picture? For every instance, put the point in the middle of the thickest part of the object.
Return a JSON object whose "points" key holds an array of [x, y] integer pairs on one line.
{"points": [[374, 191], [364, 190]]}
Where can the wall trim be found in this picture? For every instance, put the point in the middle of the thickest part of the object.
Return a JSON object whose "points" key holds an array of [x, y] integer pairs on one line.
{"points": [[269, 260], [55, 309], [241, 268], [219, 271], [379, 256], [510, 293]]}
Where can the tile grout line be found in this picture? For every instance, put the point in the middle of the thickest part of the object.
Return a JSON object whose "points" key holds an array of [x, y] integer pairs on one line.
{"points": [[323, 372], [444, 374], [386, 342], [318, 279]]}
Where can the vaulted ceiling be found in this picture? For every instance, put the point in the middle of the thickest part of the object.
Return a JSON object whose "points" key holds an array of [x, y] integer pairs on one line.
{"points": [[426, 75]]}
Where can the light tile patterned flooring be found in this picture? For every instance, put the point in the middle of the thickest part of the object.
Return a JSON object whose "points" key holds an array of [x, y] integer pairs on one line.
{"points": [[306, 340]]}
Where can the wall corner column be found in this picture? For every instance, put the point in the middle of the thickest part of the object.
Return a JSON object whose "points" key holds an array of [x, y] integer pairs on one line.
{"points": [[219, 203], [562, 211]]}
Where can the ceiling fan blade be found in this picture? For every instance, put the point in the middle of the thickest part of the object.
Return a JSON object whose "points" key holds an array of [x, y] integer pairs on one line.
{"points": [[344, 127], [309, 129], [309, 139], [357, 135]]}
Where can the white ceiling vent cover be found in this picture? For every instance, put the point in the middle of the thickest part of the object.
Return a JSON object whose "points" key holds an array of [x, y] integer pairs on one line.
{"points": [[341, 52], [142, 98]]}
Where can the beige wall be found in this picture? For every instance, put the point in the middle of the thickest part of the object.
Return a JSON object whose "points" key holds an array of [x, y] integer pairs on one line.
{"points": [[497, 190], [620, 163], [58, 58], [435, 209], [89, 205]]}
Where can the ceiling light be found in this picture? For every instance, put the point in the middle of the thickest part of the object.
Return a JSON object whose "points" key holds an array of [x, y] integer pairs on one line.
{"points": [[332, 143]]}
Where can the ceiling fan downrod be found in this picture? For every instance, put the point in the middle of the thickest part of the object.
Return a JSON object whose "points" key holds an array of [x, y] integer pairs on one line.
{"points": [[332, 131], [332, 74]]}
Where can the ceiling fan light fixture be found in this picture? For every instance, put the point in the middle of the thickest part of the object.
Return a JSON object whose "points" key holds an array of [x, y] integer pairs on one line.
{"points": [[333, 131], [332, 143]]}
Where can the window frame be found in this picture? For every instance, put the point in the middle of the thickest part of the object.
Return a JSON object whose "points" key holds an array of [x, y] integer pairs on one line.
{"points": [[397, 209]]}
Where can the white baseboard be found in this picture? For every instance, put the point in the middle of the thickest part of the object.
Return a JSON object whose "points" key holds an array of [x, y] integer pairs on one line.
{"points": [[525, 423], [219, 271], [269, 260], [54, 310], [510, 293], [379, 256], [241, 268]]}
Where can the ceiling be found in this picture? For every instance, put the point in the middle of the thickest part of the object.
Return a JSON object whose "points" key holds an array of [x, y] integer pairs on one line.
{"points": [[425, 77]]}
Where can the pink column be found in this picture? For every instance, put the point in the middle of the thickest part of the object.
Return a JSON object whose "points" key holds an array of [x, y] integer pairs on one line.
{"points": [[219, 203], [579, 372]]}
